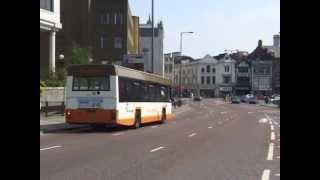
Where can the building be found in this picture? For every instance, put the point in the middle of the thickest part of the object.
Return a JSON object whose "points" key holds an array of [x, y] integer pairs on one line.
{"points": [[49, 24], [243, 73], [226, 74], [107, 27], [261, 60], [145, 47], [210, 76], [169, 64], [275, 50]]}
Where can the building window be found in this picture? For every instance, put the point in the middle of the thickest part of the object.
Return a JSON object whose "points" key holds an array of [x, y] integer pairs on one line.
{"points": [[226, 79], [226, 68], [103, 41], [121, 18], [208, 68], [115, 18], [202, 70], [104, 18], [107, 18], [117, 42], [47, 5], [213, 70], [202, 79], [208, 79], [213, 79], [243, 69]]}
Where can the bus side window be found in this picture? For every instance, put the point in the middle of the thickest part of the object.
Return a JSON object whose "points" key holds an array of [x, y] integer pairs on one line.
{"points": [[122, 90]]}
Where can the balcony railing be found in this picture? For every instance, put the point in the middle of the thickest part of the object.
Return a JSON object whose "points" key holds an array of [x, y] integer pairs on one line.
{"points": [[46, 4]]}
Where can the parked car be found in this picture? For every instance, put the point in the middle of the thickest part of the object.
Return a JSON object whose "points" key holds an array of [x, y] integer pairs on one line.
{"points": [[243, 99], [252, 100], [272, 98], [197, 98], [235, 100], [276, 100]]}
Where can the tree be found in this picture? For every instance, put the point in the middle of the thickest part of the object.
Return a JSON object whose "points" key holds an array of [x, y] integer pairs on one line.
{"points": [[78, 55]]}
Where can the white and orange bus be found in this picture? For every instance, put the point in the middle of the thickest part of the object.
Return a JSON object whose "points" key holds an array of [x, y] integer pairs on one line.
{"points": [[112, 94]]}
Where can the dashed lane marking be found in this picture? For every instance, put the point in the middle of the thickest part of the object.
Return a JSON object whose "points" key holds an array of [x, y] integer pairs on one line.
{"points": [[118, 134], [156, 149], [278, 157], [193, 134], [265, 174], [52, 147], [154, 126], [271, 127], [270, 152], [209, 127], [273, 137], [277, 174]]}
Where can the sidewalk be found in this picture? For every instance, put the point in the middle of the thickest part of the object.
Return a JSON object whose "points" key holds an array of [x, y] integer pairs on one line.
{"points": [[55, 123], [262, 103]]}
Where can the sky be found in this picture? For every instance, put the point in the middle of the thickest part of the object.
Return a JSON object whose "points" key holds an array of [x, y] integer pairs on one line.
{"points": [[218, 25]]}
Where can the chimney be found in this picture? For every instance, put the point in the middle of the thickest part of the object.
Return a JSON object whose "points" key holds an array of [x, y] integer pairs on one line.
{"points": [[260, 43], [276, 40]]}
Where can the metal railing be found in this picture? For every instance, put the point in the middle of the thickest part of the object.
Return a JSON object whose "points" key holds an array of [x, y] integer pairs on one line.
{"points": [[46, 4]]}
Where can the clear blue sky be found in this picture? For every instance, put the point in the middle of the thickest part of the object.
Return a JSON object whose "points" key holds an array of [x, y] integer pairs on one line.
{"points": [[218, 24]]}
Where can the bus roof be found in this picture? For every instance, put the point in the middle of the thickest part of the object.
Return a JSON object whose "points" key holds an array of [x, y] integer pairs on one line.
{"points": [[103, 69]]}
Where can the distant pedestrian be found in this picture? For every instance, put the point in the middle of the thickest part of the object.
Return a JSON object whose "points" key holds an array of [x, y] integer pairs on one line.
{"points": [[266, 99]]}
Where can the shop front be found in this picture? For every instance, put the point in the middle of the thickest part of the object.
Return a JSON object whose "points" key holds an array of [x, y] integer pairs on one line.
{"points": [[223, 91]]}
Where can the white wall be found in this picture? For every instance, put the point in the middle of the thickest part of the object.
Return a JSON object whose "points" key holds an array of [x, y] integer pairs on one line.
{"points": [[48, 19]]}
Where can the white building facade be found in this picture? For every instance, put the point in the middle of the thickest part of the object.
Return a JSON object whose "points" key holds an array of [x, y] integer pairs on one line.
{"points": [[145, 47], [49, 24], [208, 76]]}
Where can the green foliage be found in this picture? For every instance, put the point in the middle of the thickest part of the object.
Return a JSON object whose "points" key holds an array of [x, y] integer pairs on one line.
{"points": [[42, 86], [78, 55], [75, 55]]}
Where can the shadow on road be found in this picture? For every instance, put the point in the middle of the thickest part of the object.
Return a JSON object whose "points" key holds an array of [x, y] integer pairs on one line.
{"points": [[102, 129]]}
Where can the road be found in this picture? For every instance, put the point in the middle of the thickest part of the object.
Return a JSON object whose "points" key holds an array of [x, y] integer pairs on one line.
{"points": [[210, 140]]}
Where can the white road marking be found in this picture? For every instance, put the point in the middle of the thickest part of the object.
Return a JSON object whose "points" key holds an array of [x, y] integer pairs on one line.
{"points": [[273, 137], [224, 112], [154, 126], [270, 152], [157, 149], [117, 134], [278, 157], [193, 134], [209, 127], [272, 127], [265, 174], [53, 147], [263, 120], [250, 112], [277, 174]]}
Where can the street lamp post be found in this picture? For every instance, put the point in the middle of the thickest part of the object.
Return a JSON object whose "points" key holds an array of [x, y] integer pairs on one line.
{"points": [[181, 33], [152, 39]]}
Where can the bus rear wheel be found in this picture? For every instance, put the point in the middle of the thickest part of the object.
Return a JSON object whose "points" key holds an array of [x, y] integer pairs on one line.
{"points": [[163, 116], [137, 120]]}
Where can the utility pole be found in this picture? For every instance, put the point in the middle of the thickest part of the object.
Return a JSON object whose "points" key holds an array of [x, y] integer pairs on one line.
{"points": [[152, 44]]}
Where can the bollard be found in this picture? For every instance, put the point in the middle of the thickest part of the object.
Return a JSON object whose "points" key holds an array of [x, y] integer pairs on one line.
{"points": [[46, 109], [62, 108]]}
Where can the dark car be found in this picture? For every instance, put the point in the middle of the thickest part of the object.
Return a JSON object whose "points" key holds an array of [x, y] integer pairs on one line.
{"points": [[235, 100], [197, 98], [252, 100], [243, 98]]}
